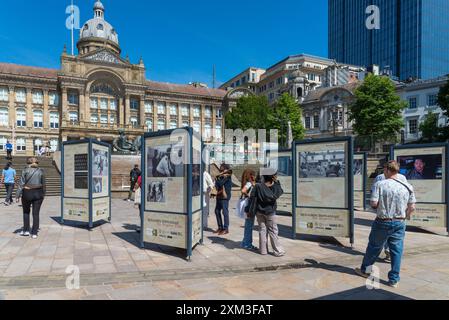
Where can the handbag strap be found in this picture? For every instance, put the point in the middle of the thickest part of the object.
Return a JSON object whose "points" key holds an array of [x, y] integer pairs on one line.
{"points": [[31, 176]]}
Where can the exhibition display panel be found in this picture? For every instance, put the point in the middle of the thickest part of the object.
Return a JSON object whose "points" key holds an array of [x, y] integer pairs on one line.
{"points": [[323, 188], [427, 170], [172, 189], [86, 182], [360, 179]]}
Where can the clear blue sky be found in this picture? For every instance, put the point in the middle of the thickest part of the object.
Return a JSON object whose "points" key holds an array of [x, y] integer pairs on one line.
{"points": [[179, 40]]}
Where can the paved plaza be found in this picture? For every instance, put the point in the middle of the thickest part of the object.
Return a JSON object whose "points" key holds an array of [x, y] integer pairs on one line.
{"points": [[113, 266]]}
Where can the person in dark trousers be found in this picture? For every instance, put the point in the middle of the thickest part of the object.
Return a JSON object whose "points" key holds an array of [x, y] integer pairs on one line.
{"points": [[9, 179], [9, 148], [32, 190], [263, 201], [223, 185], [133, 176]]}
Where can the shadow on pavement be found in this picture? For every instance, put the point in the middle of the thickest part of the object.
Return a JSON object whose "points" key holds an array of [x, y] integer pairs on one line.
{"points": [[131, 227], [134, 239], [364, 293], [227, 243], [342, 249], [79, 225]]}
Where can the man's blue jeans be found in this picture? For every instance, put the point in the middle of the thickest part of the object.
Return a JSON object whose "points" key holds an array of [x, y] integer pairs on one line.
{"points": [[247, 242], [222, 205], [392, 233]]}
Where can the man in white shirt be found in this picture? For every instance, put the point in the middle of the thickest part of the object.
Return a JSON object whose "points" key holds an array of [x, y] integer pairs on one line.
{"points": [[395, 202]]}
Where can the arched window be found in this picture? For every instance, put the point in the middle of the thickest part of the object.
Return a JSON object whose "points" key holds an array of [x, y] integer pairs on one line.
{"points": [[149, 124], [173, 124], [54, 144], [21, 118], [4, 94], [134, 121], [173, 109], [38, 118], [299, 92], [161, 124], [21, 95], [37, 145], [218, 131], [3, 142], [54, 120], [21, 144], [207, 130], [148, 106], [38, 97], [73, 116], [4, 117], [53, 98]]}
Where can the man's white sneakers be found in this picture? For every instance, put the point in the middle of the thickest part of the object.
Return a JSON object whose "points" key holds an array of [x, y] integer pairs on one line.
{"points": [[24, 234]]}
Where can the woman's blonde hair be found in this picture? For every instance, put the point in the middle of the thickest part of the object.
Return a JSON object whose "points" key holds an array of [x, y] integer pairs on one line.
{"points": [[32, 160], [246, 176]]}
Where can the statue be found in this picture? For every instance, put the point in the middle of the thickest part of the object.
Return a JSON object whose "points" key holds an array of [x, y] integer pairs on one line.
{"points": [[121, 144]]}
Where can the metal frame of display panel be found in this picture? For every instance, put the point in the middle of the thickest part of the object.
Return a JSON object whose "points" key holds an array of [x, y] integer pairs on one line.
{"points": [[365, 176], [89, 142], [350, 151], [444, 145], [188, 167]]}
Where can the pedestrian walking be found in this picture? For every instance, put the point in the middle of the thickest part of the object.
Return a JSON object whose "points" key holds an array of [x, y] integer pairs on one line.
{"points": [[32, 190], [394, 201], [208, 186], [224, 189], [9, 180], [9, 147], [248, 183], [378, 179], [133, 176], [138, 198], [263, 203]]}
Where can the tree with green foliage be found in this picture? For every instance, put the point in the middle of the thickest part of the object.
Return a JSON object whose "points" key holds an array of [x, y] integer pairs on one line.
{"points": [[251, 112], [443, 98], [286, 109], [429, 128], [377, 110]]}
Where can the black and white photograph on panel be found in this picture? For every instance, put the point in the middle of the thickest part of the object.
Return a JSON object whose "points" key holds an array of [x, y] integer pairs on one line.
{"points": [[161, 162], [98, 185], [100, 163], [157, 191], [322, 164]]}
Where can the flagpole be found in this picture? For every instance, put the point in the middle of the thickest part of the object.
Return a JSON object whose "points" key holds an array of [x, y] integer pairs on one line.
{"points": [[73, 21]]}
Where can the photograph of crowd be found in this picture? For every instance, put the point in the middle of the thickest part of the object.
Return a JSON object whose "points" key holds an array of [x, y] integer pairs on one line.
{"points": [[159, 163], [100, 163], [157, 192], [423, 167], [326, 164]]}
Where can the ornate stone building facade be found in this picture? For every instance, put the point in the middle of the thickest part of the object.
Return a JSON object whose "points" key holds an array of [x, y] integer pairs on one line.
{"points": [[96, 93]]}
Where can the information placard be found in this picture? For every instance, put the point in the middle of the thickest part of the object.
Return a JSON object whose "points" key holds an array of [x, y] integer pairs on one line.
{"points": [[86, 182], [360, 177], [426, 169], [323, 188], [172, 185]]}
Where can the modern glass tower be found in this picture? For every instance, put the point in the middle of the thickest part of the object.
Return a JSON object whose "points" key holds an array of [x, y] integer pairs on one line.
{"points": [[413, 39]]}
